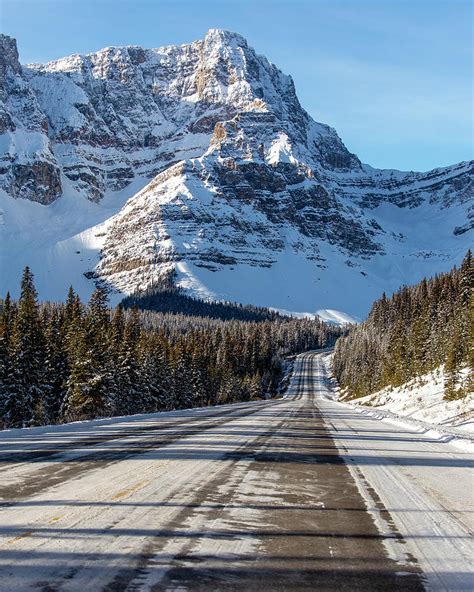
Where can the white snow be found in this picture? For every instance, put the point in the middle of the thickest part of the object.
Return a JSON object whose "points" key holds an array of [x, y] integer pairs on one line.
{"points": [[334, 317], [423, 399], [421, 402], [112, 511], [163, 96], [337, 317], [280, 150], [59, 242]]}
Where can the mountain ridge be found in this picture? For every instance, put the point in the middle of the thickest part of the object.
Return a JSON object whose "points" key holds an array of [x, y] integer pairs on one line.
{"points": [[198, 160]]}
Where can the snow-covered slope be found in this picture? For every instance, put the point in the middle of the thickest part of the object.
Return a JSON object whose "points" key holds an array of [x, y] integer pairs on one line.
{"points": [[423, 400], [132, 164]]}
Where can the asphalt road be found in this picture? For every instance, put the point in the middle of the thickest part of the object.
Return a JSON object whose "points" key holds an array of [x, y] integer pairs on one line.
{"points": [[301, 493]]}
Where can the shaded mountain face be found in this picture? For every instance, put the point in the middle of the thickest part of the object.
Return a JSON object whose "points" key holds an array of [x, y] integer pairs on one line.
{"points": [[28, 167], [198, 161]]}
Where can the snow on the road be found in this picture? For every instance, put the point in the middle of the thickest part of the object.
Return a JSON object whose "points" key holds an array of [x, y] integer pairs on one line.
{"points": [[138, 501], [90, 528], [241, 498], [413, 480]]}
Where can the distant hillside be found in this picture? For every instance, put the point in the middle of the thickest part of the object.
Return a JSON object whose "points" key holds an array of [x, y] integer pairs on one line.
{"points": [[175, 301]]}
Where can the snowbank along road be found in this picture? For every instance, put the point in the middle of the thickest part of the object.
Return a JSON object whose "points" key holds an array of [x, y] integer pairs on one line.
{"points": [[301, 493]]}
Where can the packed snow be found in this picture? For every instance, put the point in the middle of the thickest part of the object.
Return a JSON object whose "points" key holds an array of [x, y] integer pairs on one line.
{"points": [[419, 404], [422, 399]]}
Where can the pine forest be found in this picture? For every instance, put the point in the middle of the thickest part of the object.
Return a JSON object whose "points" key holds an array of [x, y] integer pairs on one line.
{"points": [[417, 330], [66, 362]]}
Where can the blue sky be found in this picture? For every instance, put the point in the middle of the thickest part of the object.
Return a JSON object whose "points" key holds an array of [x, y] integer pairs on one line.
{"points": [[394, 77]]}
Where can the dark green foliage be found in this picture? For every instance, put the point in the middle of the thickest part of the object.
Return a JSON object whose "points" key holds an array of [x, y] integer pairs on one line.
{"points": [[56, 367], [173, 300], [63, 362], [25, 383], [6, 329], [90, 380], [412, 333]]}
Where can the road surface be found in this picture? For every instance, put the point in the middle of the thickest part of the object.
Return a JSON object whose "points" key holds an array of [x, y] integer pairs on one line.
{"points": [[301, 493]]}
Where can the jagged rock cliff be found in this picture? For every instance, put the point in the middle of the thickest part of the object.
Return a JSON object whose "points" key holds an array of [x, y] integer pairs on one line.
{"points": [[28, 167], [228, 179], [126, 112]]}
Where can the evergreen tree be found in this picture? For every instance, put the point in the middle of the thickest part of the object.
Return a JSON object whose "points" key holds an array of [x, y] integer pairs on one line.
{"points": [[453, 364], [91, 377], [183, 383], [66, 362], [128, 376], [23, 401], [415, 331], [6, 330], [56, 367], [198, 390]]}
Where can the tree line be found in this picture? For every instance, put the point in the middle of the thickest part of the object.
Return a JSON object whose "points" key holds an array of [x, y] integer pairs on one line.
{"points": [[61, 362], [412, 333], [172, 299]]}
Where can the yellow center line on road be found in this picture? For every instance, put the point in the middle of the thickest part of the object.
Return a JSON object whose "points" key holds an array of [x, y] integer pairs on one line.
{"points": [[129, 490], [19, 537], [56, 518]]}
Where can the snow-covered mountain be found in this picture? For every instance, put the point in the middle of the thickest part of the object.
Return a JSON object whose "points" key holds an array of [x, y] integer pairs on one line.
{"points": [[132, 164]]}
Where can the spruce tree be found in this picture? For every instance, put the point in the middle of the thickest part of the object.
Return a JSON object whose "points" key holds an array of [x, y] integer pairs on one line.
{"points": [[91, 374], [25, 388], [56, 367], [128, 376], [412, 333], [6, 330]]}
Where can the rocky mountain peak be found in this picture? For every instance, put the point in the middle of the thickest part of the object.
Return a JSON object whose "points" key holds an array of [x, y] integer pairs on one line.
{"points": [[8, 56], [125, 112], [28, 168], [222, 172], [223, 36]]}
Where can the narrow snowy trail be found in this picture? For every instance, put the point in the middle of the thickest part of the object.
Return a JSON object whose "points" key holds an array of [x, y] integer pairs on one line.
{"points": [[302, 493]]}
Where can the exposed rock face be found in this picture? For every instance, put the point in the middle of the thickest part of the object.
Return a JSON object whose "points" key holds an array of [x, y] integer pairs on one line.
{"points": [[28, 167], [249, 199], [230, 169], [8, 57], [126, 112]]}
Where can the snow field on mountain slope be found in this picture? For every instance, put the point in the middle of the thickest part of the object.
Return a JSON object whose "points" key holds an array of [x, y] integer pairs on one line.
{"points": [[62, 241]]}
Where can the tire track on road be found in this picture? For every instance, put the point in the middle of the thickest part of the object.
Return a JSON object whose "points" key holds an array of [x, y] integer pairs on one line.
{"points": [[65, 470]]}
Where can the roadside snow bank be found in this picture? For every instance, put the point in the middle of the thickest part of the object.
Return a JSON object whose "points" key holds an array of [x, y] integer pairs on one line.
{"points": [[422, 399], [418, 403]]}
